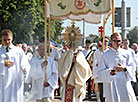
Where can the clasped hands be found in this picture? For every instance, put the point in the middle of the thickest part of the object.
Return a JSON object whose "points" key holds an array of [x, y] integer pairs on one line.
{"points": [[11, 63], [44, 64], [8, 63], [118, 68], [46, 84]]}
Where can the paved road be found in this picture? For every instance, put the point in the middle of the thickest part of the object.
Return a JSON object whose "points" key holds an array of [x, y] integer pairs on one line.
{"points": [[57, 99]]}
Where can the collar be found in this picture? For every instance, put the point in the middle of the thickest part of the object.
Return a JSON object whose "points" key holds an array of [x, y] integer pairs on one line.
{"points": [[38, 56], [10, 47], [118, 50]]}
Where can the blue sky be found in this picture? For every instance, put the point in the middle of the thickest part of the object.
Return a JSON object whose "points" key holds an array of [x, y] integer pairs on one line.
{"points": [[93, 28]]}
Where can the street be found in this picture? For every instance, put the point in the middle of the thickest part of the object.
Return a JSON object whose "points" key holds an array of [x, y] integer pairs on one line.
{"points": [[58, 99]]}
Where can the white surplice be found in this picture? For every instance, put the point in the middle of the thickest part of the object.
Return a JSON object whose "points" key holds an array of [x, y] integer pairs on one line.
{"points": [[86, 52], [37, 77], [132, 53], [80, 73], [120, 88], [96, 62], [12, 78]]}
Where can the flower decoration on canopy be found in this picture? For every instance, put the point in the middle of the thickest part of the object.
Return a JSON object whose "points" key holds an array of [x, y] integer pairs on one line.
{"points": [[72, 35]]}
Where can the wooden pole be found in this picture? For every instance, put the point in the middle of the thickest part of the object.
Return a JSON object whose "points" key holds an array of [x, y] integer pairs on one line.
{"points": [[45, 39], [113, 24], [48, 36]]}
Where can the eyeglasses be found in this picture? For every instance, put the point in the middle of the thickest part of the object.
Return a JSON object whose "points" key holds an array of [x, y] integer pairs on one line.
{"points": [[116, 41], [106, 41]]}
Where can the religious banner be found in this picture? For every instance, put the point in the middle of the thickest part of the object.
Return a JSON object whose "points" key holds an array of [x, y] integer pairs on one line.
{"points": [[99, 6], [63, 8]]}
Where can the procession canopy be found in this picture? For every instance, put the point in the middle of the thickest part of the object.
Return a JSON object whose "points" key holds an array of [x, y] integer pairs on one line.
{"points": [[99, 6], [88, 10], [89, 18], [72, 35], [63, 8]]}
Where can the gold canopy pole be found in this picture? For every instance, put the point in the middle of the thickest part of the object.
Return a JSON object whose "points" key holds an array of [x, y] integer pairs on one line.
{"points": [[113, 24], [48, 36], [45, 39], [104, 24]]}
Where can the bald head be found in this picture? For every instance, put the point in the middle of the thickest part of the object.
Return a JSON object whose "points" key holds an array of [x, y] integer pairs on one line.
{"points": [[24, 47], [134, 47], [41, 50]]}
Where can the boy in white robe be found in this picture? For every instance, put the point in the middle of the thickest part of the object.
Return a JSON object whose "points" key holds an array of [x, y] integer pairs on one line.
{"points": [[12, 65], [117, 69], [39, 92]]}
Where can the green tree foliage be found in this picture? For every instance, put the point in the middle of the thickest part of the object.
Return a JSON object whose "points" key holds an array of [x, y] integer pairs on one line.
{"points": [[94, 38], [26, 20], [133, 35]]}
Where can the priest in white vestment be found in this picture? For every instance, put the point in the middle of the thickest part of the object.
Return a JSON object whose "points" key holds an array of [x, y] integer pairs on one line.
{"points": [[117, 69], [73, 68], [40, 92], [12, 65]]}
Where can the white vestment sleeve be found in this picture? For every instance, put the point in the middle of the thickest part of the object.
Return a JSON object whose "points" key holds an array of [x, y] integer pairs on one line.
{"points": [[53, 79], [2, 72], [104, 72], [131, 66], [95, 65]]}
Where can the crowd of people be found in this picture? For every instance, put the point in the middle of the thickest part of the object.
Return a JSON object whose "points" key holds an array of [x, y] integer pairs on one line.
{"points": [[107, 70]]}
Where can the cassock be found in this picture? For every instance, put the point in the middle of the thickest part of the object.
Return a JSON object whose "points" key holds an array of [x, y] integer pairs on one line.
{"points": [[79, 74], [37, 77], [11, 79], [120, 88]]}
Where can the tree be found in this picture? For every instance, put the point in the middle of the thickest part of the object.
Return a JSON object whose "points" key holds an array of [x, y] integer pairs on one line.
{"points": [[133, 35], [94, 38], [26, 20]]}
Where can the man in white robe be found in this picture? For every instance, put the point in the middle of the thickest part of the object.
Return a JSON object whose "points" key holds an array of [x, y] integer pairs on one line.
{"points": [[79, 74], [126, 44], [28, 56], [96, 62], [87, 53], [73, 68], [40, 92], [117, 69], [12, 66]]}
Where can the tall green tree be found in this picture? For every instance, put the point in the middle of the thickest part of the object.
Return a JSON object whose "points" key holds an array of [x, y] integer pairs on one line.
{"points": [[26, 19], [133, 35]]}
